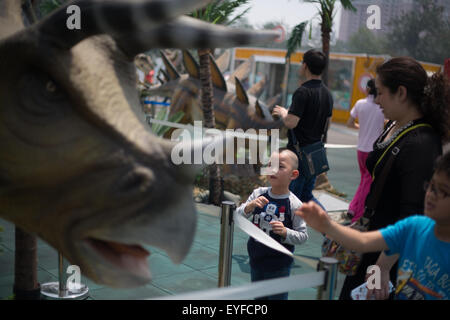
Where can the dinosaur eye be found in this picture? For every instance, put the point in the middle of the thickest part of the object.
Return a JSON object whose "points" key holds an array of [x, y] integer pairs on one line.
{"points": [[51, 86], [43, 96], [51, 90]]}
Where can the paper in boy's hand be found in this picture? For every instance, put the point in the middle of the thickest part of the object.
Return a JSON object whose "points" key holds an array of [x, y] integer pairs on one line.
{"points": [[360, 293]]}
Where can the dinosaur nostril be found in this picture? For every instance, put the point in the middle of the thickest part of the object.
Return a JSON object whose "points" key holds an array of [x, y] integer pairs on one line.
{"points": [[138, 180]]}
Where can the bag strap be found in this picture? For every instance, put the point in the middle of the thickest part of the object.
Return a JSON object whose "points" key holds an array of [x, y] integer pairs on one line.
{"points": [[372, 200], [393, 142], [322, 98]]}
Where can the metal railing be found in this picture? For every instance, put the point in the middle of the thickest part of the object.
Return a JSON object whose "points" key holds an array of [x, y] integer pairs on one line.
{"points": [[61, 289], [326, 291], [226, 243]]}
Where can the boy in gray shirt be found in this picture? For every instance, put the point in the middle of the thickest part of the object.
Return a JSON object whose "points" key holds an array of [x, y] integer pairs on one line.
{"points": [[273, 211]]}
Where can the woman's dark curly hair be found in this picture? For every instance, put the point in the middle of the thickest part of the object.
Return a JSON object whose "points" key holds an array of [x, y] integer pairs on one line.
{"points": [[431, 95]]}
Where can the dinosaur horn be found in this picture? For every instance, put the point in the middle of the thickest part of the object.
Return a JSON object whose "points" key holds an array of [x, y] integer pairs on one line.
{"points": [[116, 18], [243, 70], [171, 70], [223, 62], [217, 77], [185, 32], [191, 66], [258, 88], [240, 92], [165, 75], [258, 110], [10, 8]]}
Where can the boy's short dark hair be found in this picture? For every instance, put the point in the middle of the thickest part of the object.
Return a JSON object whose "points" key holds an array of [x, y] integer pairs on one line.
{"points": [[316, 61], [443, 164]]}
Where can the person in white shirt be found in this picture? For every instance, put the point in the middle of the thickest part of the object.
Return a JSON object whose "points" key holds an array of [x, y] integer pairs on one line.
{"points": [[371, 123]]}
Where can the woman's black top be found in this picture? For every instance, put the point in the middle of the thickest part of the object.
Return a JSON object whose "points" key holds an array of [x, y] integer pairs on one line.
{"points": [[403, 193]]}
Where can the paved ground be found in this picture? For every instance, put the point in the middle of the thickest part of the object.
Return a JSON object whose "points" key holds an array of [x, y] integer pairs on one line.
{"points": [[199, 269]]}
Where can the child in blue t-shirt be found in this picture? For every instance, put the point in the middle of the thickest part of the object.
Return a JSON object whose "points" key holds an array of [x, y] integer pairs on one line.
{"points": [[421, 242], [272, 210]]}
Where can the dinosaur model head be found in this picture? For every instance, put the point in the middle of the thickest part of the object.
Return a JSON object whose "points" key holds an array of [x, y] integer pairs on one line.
{"points": [[79, 166]]}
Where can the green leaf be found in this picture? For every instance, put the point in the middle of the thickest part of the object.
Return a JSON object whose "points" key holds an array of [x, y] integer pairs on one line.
{"points": [[347, 5], [160, 129], [156, 127], [47, 6], [295, 40], [174, 118], [220, 11]]}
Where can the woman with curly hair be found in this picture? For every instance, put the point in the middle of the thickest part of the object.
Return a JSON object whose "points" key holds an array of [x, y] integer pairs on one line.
{"points": [[403, 156]]}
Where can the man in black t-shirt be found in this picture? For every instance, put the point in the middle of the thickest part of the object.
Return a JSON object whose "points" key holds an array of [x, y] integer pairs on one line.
{"points": [[308, 116]]}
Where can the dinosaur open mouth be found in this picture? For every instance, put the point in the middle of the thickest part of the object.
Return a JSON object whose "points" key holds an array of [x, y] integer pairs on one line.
{"points": [[132, 258]]}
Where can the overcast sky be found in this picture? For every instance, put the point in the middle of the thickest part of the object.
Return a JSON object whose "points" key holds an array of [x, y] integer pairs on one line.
{"points": [[290, 12]]}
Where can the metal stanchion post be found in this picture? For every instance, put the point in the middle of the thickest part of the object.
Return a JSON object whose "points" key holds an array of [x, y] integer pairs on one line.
{"points": [[62, 276], [327, 290], [226, 243], [59, 290]]}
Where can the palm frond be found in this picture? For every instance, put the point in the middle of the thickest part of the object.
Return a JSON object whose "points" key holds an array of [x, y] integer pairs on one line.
{"points": [[220, 11], [347, 5], [239, 16], [295, 40]]}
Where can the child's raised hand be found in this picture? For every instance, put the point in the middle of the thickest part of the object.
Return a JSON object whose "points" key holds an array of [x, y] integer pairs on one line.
{"points": [[260, 202], [314, 216]]}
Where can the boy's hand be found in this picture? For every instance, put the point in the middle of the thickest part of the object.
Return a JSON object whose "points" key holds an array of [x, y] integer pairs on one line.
{"points": [[314, 216], [259, 202], [279, 228]]}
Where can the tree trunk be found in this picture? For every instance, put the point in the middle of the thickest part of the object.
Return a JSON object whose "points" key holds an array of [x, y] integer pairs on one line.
{"points": [[326, 50], [215, 185], [26, 286], [286, 81], [322, 180]]}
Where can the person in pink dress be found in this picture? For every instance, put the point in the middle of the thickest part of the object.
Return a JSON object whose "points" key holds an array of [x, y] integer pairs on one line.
{"points": [[371, 123]]}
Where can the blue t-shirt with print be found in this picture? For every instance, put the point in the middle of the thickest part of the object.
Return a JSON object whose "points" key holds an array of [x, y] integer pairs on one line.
{"points": [[424, 263]]}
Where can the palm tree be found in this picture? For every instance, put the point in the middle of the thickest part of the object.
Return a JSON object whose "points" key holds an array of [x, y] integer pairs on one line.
{"points": [[327, 13], [294, 42], [217, 12]]}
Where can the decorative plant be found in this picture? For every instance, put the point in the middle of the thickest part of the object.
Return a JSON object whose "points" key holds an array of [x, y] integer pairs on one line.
{"points": [[160, 129], [216, 12]]}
